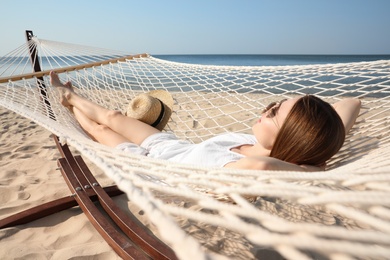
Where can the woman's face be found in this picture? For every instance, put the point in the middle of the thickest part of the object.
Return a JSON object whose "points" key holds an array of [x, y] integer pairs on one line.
{"points": [[270, 122]]}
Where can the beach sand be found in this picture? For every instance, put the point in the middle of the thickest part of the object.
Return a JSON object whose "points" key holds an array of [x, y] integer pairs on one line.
{"points": [[29, 177]]}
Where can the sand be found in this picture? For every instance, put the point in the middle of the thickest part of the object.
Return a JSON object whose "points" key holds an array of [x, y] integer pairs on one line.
{"points": [[29, 177]]}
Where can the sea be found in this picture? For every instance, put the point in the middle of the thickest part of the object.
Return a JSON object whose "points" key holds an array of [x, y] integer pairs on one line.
{"points": [[379, 89], [269, 60], [11, 64]]}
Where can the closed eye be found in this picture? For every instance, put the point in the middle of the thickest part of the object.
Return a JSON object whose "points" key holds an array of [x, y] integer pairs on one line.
{"points": [[273, 108], [273, 111], [271, 105]]}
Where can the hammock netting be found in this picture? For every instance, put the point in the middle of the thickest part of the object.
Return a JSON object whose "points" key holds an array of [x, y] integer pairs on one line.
{"points": [[216, 213]]}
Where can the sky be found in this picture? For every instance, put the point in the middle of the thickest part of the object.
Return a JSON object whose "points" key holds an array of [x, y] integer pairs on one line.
{"points": [[203, 26]]}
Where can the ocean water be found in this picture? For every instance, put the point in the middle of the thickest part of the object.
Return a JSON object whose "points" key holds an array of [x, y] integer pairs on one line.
{"points": [[269, 60], [13, 65], [380, 88]]}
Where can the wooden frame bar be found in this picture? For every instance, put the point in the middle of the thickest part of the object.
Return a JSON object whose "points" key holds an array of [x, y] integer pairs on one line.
{"points": [[40, 74], [49, 208]]}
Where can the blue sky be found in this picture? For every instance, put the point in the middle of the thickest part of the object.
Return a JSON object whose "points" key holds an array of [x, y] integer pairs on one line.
{"points": [[204, 26]]}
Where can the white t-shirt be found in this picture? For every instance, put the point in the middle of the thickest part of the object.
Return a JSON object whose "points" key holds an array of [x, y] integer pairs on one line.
{"points": [[213, 152]]}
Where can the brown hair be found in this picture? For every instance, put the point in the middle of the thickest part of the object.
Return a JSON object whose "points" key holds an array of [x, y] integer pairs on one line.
{"points": [[312, 133]]}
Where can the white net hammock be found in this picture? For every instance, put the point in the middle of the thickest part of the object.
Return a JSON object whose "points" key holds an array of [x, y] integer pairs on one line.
{"points": [[212, 213]]}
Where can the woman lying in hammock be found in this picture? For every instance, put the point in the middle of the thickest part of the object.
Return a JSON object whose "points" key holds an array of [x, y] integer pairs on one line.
{"points": [[298, 134]]}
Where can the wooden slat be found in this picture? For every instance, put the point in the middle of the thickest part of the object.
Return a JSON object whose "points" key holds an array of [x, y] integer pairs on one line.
{"points": [[38, 212], [70, 68]]}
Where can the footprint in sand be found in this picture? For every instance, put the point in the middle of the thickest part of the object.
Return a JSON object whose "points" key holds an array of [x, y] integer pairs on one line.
{"points": [[23, 195]]}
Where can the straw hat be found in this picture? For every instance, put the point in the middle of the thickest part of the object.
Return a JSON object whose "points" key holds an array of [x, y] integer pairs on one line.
{"points": [[153, 108]]}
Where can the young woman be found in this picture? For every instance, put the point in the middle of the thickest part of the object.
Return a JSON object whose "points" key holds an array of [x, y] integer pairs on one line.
{"points": [[298, 134]]}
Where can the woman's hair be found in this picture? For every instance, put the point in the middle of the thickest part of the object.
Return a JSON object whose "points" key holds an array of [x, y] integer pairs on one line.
{"points": [[312, 133]]}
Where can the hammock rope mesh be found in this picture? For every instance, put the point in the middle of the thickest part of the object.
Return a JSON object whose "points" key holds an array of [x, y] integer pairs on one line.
{"points": [[211, 213]]}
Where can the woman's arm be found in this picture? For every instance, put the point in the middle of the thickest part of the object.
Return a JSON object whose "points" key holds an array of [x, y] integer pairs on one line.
{"points": [[348, 110], [269, 163]]}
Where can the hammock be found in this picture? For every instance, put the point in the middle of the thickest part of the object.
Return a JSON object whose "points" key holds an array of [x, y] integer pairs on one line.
{"points": [[212, 213]]}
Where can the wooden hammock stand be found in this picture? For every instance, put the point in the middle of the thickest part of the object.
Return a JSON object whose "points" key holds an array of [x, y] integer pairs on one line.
{"points": [[128, 237]]}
